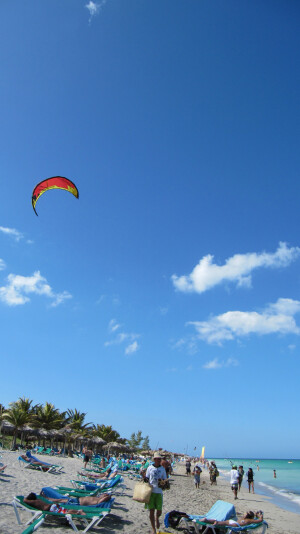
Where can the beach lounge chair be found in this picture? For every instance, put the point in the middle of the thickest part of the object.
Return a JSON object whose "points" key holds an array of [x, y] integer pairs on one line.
{"points": [[52, 493], [93, 516], [51, 468], [104, 485], [34, 525], [82, 489], [39, 450], [30, 456], [262, 526], [221, 511], [223, 529], [47, 451]]}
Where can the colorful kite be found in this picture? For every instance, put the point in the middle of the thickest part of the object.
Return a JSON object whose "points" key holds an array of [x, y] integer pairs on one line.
{"points": [[56, 182]]}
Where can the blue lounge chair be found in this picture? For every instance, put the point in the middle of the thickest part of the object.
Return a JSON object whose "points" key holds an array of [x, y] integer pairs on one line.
{"points": [[221, 511]]}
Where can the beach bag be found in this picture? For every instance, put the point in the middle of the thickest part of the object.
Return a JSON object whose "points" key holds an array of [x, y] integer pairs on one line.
{"points": [[142, 492], [172, 519]]}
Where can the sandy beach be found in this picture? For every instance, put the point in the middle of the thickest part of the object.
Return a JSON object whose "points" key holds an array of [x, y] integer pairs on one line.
{"points": [[127, 515]]}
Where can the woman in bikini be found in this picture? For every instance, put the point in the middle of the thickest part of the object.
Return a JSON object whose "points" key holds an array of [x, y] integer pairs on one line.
{"points": [[248, 519]]}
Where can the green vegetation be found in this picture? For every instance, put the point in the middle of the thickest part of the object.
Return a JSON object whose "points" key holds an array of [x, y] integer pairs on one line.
{"points": [[22, 418]]}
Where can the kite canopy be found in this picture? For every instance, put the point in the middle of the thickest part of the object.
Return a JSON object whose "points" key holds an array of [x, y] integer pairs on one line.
{"points": [[56, 182]]}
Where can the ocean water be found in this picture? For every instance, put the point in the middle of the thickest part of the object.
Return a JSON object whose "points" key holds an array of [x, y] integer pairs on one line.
{"points": [[284, 490]]}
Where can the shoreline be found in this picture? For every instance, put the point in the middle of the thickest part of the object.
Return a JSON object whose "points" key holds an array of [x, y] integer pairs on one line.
{"points": [[277, 497], [128, 516]]}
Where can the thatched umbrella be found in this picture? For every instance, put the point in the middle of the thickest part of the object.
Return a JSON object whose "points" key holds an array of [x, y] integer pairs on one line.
{"points": [[26, 429], [113, 446], [68, 435], [43, 434], [7, 428], [55, 435], [96, 441]]}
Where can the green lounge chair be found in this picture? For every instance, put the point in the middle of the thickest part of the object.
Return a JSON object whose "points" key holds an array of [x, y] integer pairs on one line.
{"points": [[34, 525], [92, 517]]}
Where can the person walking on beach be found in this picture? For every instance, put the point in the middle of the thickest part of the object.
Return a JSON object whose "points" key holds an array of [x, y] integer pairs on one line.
{"points": [[87, 456], [188, 467], [250, 477], [241, 476], [197, 471], [154, 474], [213, 473], [234, 480]]}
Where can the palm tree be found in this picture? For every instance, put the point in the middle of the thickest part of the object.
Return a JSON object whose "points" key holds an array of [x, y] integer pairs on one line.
{"points": [[16, 417], [107, 433], [2, 410], [26, 405], [48, 417], [77, 426], [76, 421]]}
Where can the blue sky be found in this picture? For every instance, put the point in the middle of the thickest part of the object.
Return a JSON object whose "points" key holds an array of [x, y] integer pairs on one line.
{"points": [[166, 298]]}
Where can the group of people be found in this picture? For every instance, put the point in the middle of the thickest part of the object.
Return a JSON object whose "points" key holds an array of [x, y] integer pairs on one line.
{"points": [[236, 479], [56, 501]]}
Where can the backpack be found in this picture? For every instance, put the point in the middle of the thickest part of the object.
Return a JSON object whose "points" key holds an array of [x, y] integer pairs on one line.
{"points": [[172, 519]]}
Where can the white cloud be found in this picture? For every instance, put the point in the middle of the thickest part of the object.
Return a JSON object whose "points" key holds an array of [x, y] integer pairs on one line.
{"points": [[133, 347], [19, 287], [277, 318], [113, 325], [121, 337], [2, 265], [12, 232], [216, 364], [236, 269], [94, 8], [188, 345], [292, 347]]}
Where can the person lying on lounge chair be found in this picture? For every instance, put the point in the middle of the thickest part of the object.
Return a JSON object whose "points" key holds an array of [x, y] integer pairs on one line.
{"points": [[34, 502], [31, 461], [83, 501], [108, 475], [248, 519]]}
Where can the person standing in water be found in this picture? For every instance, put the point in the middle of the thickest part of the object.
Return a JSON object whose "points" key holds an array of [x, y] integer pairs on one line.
{"points": [[250, 477], [241, 475]]}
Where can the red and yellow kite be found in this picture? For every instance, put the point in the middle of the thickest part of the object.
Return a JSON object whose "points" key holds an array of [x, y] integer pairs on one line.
{"points": [[56, 182]]}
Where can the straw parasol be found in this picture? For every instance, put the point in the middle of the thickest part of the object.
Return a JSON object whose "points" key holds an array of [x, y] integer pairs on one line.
{"points": [[113, 446], [98, 441], [7, 428]]}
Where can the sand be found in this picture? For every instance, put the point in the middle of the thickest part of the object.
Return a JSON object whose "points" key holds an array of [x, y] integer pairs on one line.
{"points": [[127, 515]]}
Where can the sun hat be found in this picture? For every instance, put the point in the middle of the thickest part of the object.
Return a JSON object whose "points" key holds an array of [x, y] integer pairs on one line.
{"points": [[156, 455]]}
